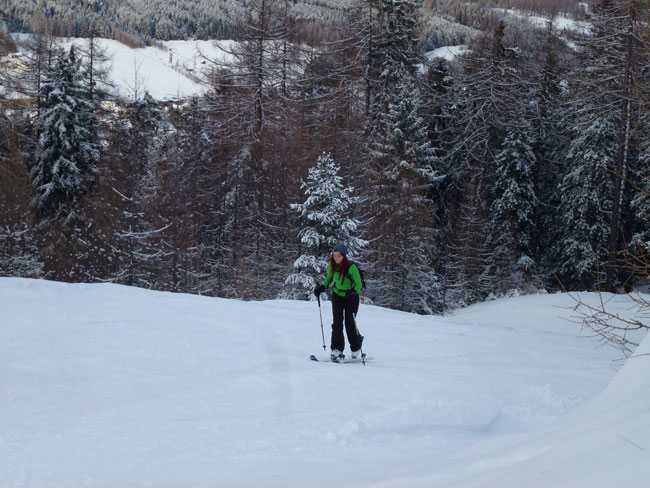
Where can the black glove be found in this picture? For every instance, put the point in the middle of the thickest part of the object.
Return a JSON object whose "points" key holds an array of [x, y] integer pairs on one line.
{"points": [[351, 293], [319, 289]]}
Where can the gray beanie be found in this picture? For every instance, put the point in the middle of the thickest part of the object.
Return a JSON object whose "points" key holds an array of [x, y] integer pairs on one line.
{"points": [[342, 248]]}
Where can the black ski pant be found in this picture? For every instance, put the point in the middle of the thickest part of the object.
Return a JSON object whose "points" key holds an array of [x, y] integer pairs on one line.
{"points": [[345, 308]]}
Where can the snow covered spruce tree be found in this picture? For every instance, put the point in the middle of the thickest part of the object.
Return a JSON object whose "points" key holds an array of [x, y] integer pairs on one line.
{"points": [[405, 231], [400, 173], [510, 264], [326, 219], [640, 206], [63, 167], [66, 158], [586, 201]]}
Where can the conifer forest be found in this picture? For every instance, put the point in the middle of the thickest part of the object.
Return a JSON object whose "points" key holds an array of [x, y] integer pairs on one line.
{"points": [[522, 165]]}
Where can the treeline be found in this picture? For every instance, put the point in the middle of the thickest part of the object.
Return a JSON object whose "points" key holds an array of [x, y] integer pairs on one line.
{"points": [[521, 166], [138, 22]]}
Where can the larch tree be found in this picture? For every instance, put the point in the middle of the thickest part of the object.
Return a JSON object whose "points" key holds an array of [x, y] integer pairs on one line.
{"points": [[482, 98]]}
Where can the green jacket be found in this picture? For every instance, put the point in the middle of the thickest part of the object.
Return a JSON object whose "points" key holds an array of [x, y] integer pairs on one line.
{"points": [[343, 283]]}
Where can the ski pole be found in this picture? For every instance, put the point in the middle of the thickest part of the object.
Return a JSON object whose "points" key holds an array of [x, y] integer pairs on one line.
{"points": [[321, 322], [363, 354]]}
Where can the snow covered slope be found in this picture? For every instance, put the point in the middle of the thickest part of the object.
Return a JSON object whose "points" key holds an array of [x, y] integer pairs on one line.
{"points": [[111, 386], [601, 444], [166, 73], [560, 22], [446, 52]]}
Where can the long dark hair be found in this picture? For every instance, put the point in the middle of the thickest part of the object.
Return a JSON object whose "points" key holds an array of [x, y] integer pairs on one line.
{"points": [[342, 268]]}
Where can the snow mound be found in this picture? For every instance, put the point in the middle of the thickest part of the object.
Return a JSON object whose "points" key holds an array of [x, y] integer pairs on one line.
{"points": [[602, 444]]}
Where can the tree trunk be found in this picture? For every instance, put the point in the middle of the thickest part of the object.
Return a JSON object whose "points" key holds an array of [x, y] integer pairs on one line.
{"points": [[621, 164]]}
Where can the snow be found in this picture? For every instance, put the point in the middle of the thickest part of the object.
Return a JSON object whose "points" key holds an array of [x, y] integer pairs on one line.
{"points": [[172, 72], [560, 22], [162, 72], [446, 52], [108, 386], [166, 73]]}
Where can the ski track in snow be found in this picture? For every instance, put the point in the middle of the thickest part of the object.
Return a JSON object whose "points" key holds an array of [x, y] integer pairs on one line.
{"points": [[111, 386]]}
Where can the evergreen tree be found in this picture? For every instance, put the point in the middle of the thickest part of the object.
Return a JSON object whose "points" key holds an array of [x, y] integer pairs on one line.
{"points": [[67, 154], [400, 173], [550, 146], [401, 176], [511, 265], [586, 203], [440, 110], [615, 57], [465, 255], [326, 219], [412, 284], [640, 206]]}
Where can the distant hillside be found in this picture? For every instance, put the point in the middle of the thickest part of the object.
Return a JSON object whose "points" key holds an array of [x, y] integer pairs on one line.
{"points": [[138, 22], [147, 19]]}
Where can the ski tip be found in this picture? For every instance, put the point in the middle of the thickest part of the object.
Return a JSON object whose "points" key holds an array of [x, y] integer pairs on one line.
{"points": [[313, 358]]}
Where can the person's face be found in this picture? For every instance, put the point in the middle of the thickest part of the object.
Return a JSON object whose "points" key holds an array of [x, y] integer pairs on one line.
{"points": [[338, 257]]}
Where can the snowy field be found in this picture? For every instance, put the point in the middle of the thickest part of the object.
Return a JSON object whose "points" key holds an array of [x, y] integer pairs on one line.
{"points": [[166, 73], [111, 386]]}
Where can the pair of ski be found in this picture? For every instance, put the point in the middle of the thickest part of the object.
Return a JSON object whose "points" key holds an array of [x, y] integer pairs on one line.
{"points": [[342, 359]]}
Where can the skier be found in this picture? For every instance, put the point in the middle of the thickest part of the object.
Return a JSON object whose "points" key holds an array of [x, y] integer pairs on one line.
{"points": [[345, 301]]}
